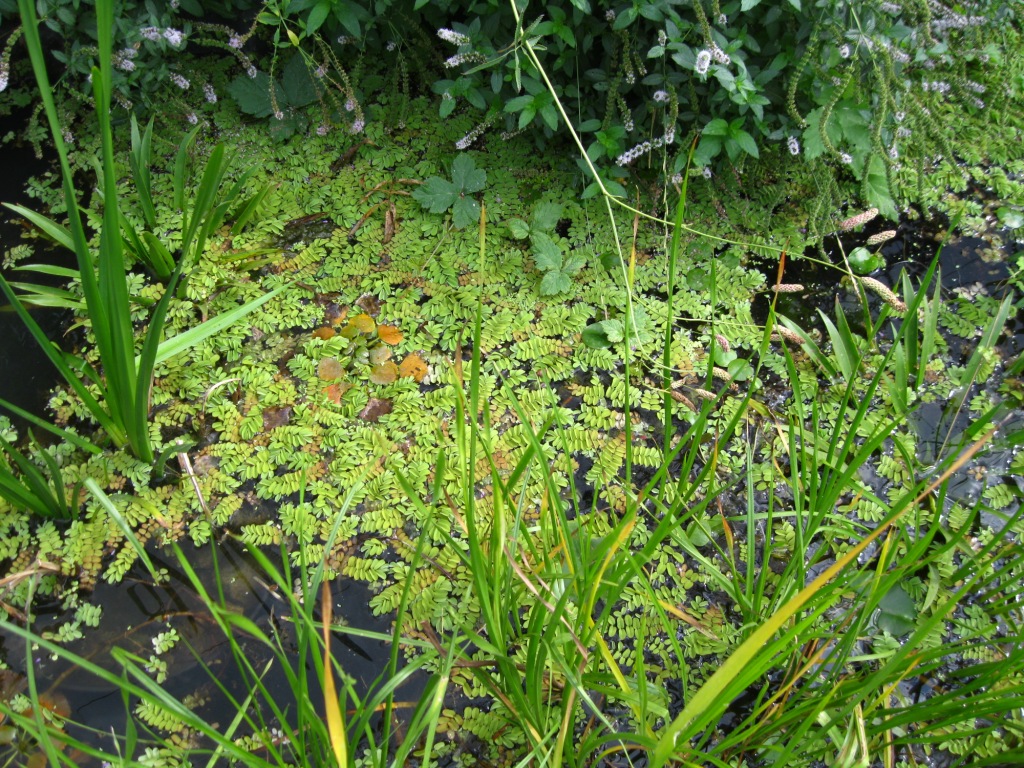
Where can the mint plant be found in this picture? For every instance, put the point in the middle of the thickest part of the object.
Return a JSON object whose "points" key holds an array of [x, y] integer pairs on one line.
{"points": [[558, 268], [437, 195]]}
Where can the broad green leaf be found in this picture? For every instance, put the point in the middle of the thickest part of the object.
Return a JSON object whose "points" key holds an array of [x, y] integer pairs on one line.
{"points": [[746, 5], [546, 216], [876, 188], [546, 253], [252, 94], [863, 261], [717, 127], [595, 336], [436, 194], [746, 143], [519, 229], [465, 213], [615, 329], [317, 16], [573, 263], [555, 282], [1010, 218], [896, 612], [466, 177]]}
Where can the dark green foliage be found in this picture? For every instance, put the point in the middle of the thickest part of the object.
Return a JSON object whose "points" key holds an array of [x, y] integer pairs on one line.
{"points": [[283, 102], [437, 195]]}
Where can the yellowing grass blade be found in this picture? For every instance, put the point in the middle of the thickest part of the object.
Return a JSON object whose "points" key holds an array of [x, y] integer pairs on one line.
{"points": [[332, 712]]}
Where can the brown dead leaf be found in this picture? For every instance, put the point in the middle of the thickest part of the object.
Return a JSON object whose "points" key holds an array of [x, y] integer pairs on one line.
{"points": [[334, 314], [276, 416], [390, 224], [385, 373], [375, 408], [414, 367], [329, 368], [324, 333], [389, 334], [336, 391], [369, 304]]}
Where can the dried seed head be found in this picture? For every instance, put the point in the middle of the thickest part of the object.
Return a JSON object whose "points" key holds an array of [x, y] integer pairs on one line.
{"points": [[788, 288], [721, 373], [882, 290], [706, 394], [882, 237], [860, 219]]}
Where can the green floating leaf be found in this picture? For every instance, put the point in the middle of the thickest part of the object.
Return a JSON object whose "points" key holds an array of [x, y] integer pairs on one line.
{"points": [[546, 253], [863, 261], [466, 176], [554, 282], [1010, 217], [896, 613], [436, 194]]}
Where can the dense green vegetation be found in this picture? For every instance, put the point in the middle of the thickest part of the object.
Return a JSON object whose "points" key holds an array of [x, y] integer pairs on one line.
{"points": [[623, 504]]}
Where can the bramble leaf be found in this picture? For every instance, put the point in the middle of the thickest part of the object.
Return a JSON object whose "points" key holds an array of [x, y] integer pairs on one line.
{"points": [[519, 229], [466, 177], [466, 212], [554, 282], [546, 253], [546, 216], [436, 194]]}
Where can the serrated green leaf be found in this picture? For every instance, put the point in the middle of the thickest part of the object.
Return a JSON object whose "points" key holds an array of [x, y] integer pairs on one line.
{"points": [[436, 194], [546, 216], [546, 253], [554, 282], [876, 188], [573, 263], [615, 330], [519, 229], [465, 213], [466, 177], [252, 94]]}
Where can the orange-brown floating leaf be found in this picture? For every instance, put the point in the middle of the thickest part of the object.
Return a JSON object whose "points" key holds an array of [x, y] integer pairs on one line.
{"points": [[336, 391], [363, 323], [385, 373], [375, 408], [389, 334], [413, 366], [334, 314], [324, 333], [329, 368], [369, 304], [379, 354], [276, 416]]}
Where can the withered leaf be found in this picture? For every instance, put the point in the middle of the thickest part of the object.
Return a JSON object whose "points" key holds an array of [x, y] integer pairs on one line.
{"points": [[369, 304], [336, 391], [363, 323], [375, 408], [389, 334], [390, 224], [379, 354], [324, 333], [385, 373], [329, 368], [276, 416], [414, 367]]}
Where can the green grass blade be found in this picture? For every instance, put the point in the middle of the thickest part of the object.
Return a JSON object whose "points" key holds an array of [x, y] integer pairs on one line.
{"points": [[46, 225]]}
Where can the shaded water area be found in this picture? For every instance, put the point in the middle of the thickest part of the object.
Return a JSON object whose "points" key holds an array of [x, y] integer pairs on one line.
{"points": [[138, 614]]}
